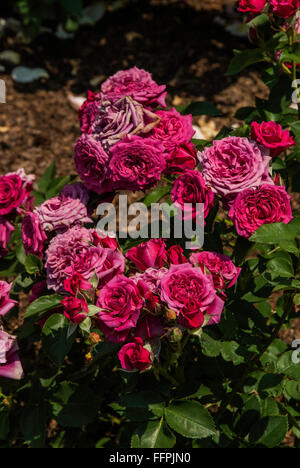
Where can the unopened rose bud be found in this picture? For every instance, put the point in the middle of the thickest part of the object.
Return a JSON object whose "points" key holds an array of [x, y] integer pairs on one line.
{"points": [[170, 314], [88, 357], [176, 335], [94, 338]]}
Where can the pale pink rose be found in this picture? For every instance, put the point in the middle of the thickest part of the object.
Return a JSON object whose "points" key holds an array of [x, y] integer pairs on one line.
{"points": [[10, 364], [6, 303]]}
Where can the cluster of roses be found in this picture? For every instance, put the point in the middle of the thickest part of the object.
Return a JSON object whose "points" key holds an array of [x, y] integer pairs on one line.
{"points": [[125, 144], [152, 292], [280, 8], [15, 200]]}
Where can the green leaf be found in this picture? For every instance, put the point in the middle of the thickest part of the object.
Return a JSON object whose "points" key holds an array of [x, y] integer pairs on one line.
{"points": [[199, 108], [33, 425], [85, 326], [43, 304], [286, 366], [57, 186], [297, 299], [79, 408], [230, 351], [33, 264], [20, 253], [190, 419], [47, 178], [210, 347], [274, 233], [56, 342], [281, 265], [292, 388], [156, 195], [269, 431], [244, 59], [153, 434]]}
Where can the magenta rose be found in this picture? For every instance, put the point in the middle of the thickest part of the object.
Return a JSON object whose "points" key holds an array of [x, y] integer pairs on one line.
{"points": [[10, 364], [33, 235], [75, 309], [263, 205], [103, 240], [136, 83], [149, 327], [91, 162], [133, 356], [181, 159], [37, 290], [186, 288], [176, 255], [6, 303], [137, 163], [12, 193], [253, 7], [234, 164], [285, 8], [272, 136], [75, 191], [150, 254], [76, 283], [120, 302], [190, 189], [89, 111], [173, 129], [222, 268], [6, 229], [118, 119], [61, 213]]}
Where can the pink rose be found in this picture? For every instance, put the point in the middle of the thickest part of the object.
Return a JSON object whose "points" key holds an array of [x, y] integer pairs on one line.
{"points": [[105, 263], [6, 304], [272, 136], [185, 288], [263, 205], [151, 277], [253, 7], [234, 164], [176, 255], [10, 365], [33, 235], [6, 229], [149, 327], [285, 8], [133, 356], [72, 251], [136, 83], [137, 163], [89, 111], [75, 309], [91, 162], [190, 188], [76, 283], [173, 129], [62, 213], [118, 119], [181, 159], [222, 268], [120, 302], [150, 254]]}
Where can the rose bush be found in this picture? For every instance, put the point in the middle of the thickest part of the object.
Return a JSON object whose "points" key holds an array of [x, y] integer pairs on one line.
{"points": [[156, 345]]}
